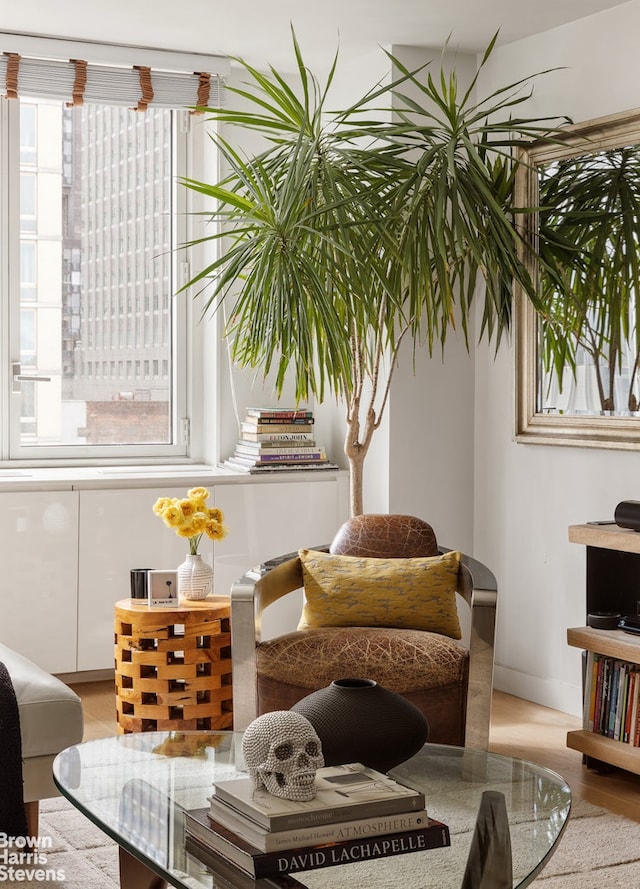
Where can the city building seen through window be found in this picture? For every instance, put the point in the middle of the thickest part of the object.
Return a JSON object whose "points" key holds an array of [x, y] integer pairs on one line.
{"points": [[97, 239]]}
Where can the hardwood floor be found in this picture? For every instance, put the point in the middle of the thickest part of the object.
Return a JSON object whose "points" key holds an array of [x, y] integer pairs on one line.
{"points": [[518, 728], [99, 709], [522, 729]]}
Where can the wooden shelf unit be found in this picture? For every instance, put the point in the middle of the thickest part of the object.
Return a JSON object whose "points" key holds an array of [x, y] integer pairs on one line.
{"points": [[612, 584]]}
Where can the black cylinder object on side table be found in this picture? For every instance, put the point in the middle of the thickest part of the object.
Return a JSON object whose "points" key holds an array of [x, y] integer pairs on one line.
{"points": [[140, 583], [358, 720]]}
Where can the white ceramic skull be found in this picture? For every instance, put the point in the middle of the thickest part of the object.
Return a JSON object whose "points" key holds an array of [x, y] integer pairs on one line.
{"points": [[283, 752]]}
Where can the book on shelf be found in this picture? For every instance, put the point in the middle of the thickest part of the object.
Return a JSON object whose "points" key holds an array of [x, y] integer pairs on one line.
{"points": [[220, 841], [273, 840], [277, 436], [273, 449], [597, 698], [614, 706], [591, 684], [605, 690], [632, 707], [634, 710], [343, 792], [279, 413], [272, 424], [624, 722], [252, 469], [296, 455], [621, 708]]}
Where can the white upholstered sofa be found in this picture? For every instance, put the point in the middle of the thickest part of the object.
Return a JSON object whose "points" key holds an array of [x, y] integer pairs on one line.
{"points": [[50, 720]]}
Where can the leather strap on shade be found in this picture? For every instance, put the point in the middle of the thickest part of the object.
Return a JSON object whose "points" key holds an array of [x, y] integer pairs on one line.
{"points": [[13, 63], [204, 90], [79, 82], [146, 87]]}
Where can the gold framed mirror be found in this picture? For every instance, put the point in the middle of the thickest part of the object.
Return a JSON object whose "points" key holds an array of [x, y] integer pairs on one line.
{"points": [[578, 358]]}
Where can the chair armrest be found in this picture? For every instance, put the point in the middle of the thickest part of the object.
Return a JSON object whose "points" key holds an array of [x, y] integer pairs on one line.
{"points": [[484, 595], [482, 577], [250, 596]]}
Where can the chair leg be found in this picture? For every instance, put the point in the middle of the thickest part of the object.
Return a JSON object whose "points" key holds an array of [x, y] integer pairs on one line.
{"points": [[32, 811]]}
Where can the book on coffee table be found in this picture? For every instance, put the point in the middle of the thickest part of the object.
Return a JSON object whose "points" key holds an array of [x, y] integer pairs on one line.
{"points": [[230, 876], [273, 840], [208, 840], [343, 792]]}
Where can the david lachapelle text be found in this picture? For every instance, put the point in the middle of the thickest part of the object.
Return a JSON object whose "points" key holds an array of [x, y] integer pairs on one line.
{"points": [[374, 848]]}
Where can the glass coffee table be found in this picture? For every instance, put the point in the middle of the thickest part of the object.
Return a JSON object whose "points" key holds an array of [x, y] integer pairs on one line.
{"points": [[136, 787]]}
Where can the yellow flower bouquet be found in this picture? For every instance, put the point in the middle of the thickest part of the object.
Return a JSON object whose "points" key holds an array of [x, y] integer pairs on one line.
{"points": [[190, 517]]}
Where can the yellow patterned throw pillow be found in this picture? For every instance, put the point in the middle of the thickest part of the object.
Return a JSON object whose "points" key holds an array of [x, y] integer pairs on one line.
{"points": [[349, 591]]}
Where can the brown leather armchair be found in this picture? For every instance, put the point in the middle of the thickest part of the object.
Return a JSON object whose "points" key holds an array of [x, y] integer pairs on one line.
{"points": [[449, 680]]}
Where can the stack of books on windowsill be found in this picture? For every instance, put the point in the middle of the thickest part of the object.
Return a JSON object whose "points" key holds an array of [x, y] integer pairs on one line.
{"points": [[357, 814], [278, 440]]}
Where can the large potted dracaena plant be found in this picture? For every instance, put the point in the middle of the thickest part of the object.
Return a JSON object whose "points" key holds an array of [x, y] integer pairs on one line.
{"points": [[353, 230]]}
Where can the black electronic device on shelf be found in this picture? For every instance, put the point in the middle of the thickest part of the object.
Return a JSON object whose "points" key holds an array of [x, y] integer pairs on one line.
{"points": [[630, 623], [627, 514]]}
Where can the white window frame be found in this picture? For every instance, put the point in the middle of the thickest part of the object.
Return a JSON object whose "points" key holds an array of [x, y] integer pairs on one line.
{"points": [[191, 147]]}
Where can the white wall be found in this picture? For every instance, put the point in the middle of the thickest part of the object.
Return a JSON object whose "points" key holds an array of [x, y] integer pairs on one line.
{"points": [[431, 413], [527, 495]]}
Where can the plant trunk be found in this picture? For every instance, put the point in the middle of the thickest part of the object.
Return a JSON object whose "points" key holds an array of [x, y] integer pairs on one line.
{"points": [[358, 441], [356, 448], [356, 470], [632, 401]]}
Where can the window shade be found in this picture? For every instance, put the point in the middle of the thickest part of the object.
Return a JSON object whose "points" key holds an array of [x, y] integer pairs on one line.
{"points": [[147, 81]]}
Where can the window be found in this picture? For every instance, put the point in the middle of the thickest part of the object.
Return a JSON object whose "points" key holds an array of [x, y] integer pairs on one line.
{"points": [[93, 190], [27, 271], [28, 337], [28, 120], [27, 201]]}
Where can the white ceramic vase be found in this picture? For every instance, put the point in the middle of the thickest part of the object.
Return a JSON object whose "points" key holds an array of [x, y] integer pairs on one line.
{"points": [[195, 578]]}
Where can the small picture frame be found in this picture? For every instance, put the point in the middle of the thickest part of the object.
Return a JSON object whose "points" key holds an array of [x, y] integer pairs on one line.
{"points": [[163, 589]]}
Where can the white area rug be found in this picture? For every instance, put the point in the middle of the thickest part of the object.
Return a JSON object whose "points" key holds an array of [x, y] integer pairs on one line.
{"points": [[597, 851], [80, 855]]}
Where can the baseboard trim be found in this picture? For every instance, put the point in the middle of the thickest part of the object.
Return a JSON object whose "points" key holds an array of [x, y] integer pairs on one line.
{"points": [[546, 692], [87, 676]]}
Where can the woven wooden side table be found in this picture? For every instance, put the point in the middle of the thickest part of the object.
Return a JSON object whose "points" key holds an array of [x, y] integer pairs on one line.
{"points": [[173, 666]]}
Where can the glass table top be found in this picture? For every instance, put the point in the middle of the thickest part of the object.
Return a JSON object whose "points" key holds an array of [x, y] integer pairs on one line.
{"points": [[136, 787]]}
